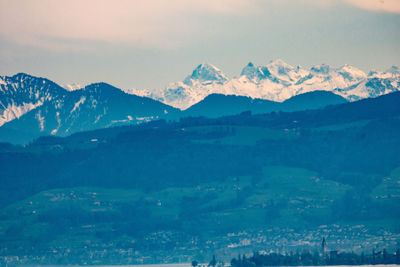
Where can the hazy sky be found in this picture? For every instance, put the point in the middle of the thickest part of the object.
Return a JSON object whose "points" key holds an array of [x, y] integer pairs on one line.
{"points": [[149, 43]]}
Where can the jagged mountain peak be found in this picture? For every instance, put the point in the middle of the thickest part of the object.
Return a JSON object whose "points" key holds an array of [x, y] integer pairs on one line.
{"points": [[278, 61], [351, 73], [350, 68], [255, 72], [276, 81], [249, 70], [206, 73], [250, 64], [279, 64], [283, 71], [322, 69]]}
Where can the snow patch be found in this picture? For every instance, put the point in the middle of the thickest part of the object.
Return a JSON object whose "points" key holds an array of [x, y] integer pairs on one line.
{"points": [[14, 111], [73, 86], [77, 104], [55, 131], [40, 120], [97, 119], [138, 92], [2, 82]]}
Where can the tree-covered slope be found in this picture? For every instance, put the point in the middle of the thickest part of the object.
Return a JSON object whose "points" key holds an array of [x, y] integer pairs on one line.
{"points": [[201, 186]]}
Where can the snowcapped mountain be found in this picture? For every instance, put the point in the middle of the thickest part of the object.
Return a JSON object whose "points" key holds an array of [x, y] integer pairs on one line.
{"points": [[276, 81], [204, 80], [21, 93], [37, 106]]}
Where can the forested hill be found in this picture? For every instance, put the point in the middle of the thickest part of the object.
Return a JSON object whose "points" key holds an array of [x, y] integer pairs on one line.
{"points": [[204, 178]]}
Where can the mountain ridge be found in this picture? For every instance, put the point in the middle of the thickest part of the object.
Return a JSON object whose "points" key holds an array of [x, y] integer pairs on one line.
{"points": [[277, 81], [61, 112], [33, 106], [217, 105], [49, 109]]}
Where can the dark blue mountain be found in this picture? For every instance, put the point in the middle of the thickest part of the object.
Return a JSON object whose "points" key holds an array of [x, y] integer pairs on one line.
{"points": [[217, 105], [56, 111], [312, 100]]}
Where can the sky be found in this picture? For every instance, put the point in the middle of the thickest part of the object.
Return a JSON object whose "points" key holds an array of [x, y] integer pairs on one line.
{"points": [[147, 44]]}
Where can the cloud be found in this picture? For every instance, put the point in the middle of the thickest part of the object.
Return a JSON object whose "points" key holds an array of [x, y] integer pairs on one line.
{"points": [[72, 23]]}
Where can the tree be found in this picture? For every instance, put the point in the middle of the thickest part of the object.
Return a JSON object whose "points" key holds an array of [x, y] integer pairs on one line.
{"points": [[373, 257], [194, 263], [213, 262], [385, 256]]}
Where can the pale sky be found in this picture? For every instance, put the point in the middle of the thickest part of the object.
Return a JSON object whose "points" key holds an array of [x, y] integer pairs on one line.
{"points": [[150, 43]]}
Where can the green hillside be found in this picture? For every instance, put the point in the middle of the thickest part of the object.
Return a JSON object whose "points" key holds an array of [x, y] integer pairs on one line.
{"points": [[172, 191]]}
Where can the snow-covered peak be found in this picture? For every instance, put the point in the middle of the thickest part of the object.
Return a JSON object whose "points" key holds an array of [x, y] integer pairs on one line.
{"points": [[351, 73], [206, 73], [249, 71], [252, 72], [381, 74], [393, 74], [321, 69], [279, 67], [275, 81], [285, 73]]}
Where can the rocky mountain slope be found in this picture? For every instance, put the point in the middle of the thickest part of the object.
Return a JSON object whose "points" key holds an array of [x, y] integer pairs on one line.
{"points": [[32, 106]]}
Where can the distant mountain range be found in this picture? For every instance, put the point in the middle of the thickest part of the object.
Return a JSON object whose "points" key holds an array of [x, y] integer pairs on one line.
{"points": [[32, 106], [276, 81]]}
